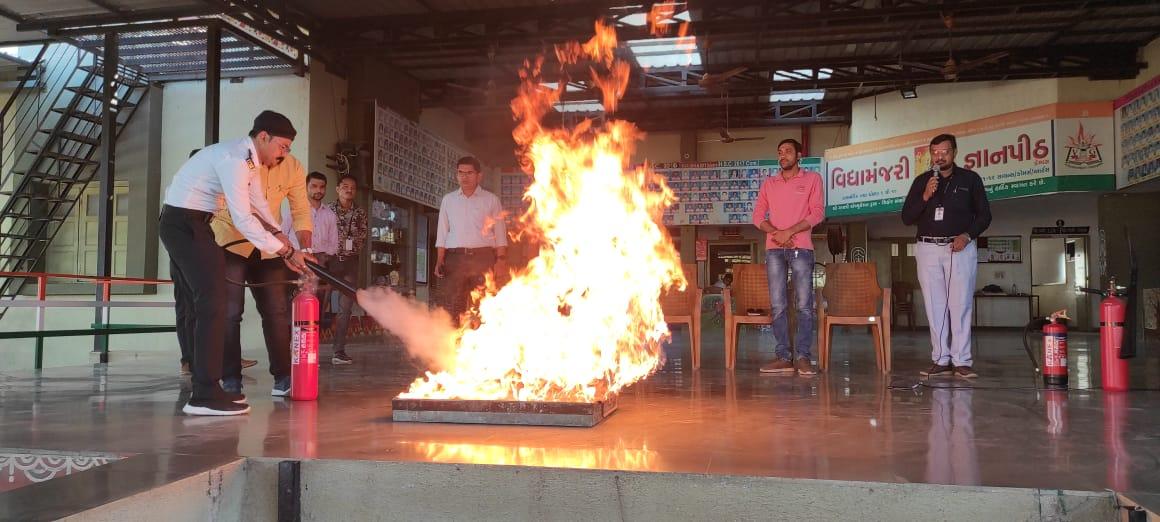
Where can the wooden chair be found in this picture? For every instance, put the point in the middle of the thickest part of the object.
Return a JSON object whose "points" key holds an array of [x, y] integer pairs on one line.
{"points": [[903, 295], [852, 296], [750, 290], [684, 307]]}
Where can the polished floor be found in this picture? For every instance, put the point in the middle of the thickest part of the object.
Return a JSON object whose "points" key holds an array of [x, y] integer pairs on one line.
{"points": [[850, 423]]}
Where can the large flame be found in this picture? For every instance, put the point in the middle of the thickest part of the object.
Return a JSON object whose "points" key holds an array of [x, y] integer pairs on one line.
{"points": [[582, 320]]}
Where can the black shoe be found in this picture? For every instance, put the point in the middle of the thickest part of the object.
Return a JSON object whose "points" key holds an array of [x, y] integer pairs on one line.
{"points": [[216, 393], [937, 369], [281, 387], [214, 407], [232, 386], [341, 358]]}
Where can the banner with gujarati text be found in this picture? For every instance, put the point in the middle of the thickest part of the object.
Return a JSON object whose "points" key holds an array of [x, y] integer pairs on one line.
{"points": [[1052, 148]]}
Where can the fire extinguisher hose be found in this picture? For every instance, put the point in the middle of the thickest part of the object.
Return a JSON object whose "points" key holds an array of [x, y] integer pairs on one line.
{"points": [[1035, 325]]}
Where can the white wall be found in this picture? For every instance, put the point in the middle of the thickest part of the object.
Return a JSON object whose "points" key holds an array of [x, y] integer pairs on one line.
{"points": [[658, 147], [941, 104], [327, 122], [665, 147], [1150, 54]]}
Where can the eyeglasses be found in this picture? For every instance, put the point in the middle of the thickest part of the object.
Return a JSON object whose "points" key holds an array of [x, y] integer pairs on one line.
{"points": [[284, 146], [947, 152]]}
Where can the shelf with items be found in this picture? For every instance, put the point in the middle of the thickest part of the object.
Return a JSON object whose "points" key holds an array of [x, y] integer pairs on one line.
{"points": [[390, 221]]}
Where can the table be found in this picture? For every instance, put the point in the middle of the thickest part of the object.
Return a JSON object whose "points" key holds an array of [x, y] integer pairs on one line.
{"points": [[1032, 303]]}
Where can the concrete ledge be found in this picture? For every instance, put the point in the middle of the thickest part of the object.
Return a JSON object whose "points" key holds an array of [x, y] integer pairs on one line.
{"points": [[213, 495], [363, 490]]}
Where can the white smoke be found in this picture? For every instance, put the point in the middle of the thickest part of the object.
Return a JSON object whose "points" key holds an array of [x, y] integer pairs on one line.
{"points": [[427, 334]]}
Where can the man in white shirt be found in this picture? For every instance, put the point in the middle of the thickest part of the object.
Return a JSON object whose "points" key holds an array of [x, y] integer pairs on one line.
{"points": [[228, 169], [471, 238]]}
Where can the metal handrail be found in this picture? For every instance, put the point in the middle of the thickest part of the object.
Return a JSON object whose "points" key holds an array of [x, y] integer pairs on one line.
{"points": [[24, 81], [104, 282], [28, 116]]}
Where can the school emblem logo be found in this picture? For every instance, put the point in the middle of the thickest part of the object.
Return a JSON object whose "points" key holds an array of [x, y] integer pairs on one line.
{"points": [[1083, 151]]}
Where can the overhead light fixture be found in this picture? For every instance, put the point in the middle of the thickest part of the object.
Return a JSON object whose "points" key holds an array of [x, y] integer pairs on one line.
{"points": [[909, 92], [797, 96], [787, 75], [569, 87], [583, 106], [666, 52]]}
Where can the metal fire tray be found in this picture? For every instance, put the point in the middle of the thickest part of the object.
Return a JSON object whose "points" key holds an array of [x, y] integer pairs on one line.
{"points": [[579, 414]]}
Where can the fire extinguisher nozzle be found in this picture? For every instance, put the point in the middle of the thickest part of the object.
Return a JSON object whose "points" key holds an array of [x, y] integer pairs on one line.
{"points": [[339, 284]]}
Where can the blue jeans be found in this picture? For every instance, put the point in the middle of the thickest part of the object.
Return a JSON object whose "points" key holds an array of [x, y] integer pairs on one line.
{"points": [[798, 265]]}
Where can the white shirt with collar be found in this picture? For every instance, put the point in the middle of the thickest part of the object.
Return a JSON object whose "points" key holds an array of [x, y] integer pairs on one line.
{"points": [[324, 239], [226, 169], [471, 222]]}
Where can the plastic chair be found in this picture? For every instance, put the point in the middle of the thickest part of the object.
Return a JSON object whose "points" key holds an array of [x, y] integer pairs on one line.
{"points": [[903, 294], [852, 297], [684, 307], [749, 291]]}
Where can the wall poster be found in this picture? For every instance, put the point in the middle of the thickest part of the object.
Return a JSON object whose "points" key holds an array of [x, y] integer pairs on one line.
{"points": [[412, 162], [1000, 249], [1137, 117], [719, 192]]}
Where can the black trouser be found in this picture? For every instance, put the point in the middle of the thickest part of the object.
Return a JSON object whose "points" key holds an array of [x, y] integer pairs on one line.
{"points": [[184, 311], [199, 268], [273, 304], [463, 271], [346, 269]]}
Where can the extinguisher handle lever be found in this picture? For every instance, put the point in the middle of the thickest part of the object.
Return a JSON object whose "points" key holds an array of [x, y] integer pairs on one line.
{"points": [[1096, 291]]}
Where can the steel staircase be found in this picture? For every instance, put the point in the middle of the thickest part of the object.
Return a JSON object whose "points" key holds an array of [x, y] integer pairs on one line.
{"points": [[49, 140]]}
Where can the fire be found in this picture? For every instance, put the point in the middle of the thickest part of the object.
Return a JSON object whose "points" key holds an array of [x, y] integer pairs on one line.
{"points": [[582, 320]]}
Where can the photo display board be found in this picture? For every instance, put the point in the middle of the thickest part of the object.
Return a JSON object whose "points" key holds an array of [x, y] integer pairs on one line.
{"points": [[412, 162], [719, 192], [1138, 134]]}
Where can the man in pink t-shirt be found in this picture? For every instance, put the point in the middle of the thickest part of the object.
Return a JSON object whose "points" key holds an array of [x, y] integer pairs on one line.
{"points": [[788, 206]]}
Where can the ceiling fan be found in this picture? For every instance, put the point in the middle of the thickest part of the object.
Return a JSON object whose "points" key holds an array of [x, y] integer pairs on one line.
{"points": [[951, 69], [726, 136], [488, 90], [709, 80]]}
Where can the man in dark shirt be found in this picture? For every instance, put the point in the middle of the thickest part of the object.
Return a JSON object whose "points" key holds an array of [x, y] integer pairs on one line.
{"points": [[949, 205]]}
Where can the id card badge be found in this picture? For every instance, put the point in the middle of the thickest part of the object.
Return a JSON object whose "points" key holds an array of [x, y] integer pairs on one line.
{"points": [[350, 242], [938, 213]]}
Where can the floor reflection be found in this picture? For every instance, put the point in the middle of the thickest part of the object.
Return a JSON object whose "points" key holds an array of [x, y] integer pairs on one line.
{"points": [[951, 456], [618, 457], [851, 423]]}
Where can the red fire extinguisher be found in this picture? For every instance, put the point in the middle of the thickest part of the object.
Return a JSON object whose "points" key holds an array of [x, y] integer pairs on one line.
{"points": [[304, 347], [1055, 351], [1114, 370]]}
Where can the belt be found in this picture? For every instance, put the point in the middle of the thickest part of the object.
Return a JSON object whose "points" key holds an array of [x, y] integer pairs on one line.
{"points": [[936, 240], [471, 251], [198, 215]]}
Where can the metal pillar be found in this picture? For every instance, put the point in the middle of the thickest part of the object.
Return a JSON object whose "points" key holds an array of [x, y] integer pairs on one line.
{"points": [[213, 76], [106, 173]]}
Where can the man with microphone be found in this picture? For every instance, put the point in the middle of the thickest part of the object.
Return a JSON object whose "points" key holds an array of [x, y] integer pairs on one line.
{"points": [[949, 205]]}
